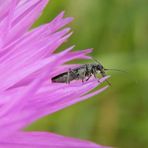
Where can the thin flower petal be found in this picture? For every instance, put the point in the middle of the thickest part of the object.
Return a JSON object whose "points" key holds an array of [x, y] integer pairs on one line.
{"points": [[27, 65], [44, 139], [25, 71], [48, 104], [20, 25], [78, 54], [34, 73]]}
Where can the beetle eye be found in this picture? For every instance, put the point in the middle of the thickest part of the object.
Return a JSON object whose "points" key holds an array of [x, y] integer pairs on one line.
{"points": [[100, 67]]}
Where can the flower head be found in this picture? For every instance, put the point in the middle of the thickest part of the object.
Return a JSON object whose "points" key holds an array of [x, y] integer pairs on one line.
{"points": [[27, 63]]}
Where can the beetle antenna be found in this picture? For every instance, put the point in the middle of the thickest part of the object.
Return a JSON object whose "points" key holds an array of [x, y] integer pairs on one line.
{"points": [[94, 59], [108, 82], [116, 70]]}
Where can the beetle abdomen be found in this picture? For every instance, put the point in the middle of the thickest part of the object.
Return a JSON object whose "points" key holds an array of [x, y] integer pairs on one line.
{"points": [[62, 78]]}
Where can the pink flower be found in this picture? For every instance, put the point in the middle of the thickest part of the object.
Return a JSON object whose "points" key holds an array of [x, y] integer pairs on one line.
{"points": [[27, 63]]}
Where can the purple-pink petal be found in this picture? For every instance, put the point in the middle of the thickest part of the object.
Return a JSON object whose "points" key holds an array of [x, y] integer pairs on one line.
{"points": [[20, 25], [47, 103], [27, 65], [44, 139]]}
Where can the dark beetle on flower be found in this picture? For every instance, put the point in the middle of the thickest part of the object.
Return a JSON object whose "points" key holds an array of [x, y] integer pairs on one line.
{"points": [[83, 72]]}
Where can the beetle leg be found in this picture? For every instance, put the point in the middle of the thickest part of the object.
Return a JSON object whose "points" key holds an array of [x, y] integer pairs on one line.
{"points": [[96, 78], [84, 73], [94, 73], [68, 76], [83, 77], [88, 77]]}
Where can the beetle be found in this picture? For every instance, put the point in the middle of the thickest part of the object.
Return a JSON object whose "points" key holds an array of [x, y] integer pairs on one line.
{"points": [[82, 72]]}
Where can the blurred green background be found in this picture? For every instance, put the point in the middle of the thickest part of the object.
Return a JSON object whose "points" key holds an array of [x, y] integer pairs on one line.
{"points": [[118, 32]]}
